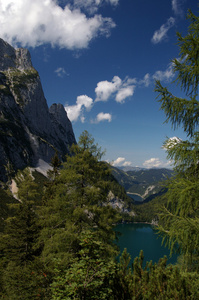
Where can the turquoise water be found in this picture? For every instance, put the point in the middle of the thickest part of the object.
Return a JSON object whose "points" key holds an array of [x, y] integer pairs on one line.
{"points": [[138, 236]]}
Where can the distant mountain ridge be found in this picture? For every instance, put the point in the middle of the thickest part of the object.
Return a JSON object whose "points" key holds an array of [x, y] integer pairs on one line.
{"points": [[146, 183], [29, 130], [130, 168]]}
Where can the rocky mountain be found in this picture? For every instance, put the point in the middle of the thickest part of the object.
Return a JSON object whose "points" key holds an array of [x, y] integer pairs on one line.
{"points": [[144, 183], [130, 168], [29, 130]]}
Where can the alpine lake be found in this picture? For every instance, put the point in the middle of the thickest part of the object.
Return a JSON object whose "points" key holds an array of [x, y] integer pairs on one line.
{"points": [[141, 236]]}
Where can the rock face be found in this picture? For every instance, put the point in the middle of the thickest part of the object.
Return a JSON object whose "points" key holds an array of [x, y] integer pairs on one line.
{"points": [[29, 130]]}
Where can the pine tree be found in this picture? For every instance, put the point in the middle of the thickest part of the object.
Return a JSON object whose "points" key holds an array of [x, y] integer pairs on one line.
{"points": [[21, 229], [77, 201], [152, 281], [55, 164], [179, 221], [88, 275], [18, 244]]}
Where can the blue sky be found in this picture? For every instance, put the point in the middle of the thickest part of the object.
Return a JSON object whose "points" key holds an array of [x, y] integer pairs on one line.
{"points": [[100, 58]]}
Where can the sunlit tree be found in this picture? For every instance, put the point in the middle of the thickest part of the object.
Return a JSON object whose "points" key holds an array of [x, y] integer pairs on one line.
{"points": [[77, 201]]}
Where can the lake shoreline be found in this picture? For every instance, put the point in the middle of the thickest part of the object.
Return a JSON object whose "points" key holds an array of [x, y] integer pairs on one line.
{"points": [[147, 223], [136, 236]]}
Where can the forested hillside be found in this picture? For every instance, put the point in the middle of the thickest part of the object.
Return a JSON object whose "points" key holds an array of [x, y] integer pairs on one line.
{"points": [[145, 183], [58, 241]]}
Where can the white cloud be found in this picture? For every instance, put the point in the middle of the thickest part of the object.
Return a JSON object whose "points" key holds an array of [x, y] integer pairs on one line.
{"points": [[152, 162], [128, 81], [124, 92], [84, 100], [103, 117], [176, 7], [34, 23], [118, 161], [155, 163], [174, 4], [76, 111], [121, 161], [106, 88], [113, 2], [93, 5], [127, 163], [117, 88], [73, 112], [60, 72], [166, 75], [146, 80], [82, 118], [161, 34]]}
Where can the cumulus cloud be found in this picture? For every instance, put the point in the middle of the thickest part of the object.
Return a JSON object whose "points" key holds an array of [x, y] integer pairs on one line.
{"points": [[121, 161], [166, 75], [127, 164], [60, 72], [118, 161], [106, 88], [76, 111], [103, 117], [84, 100], [117, 88], [124, 92], [152, 162], [155, 163], [160, 34], [120, 90], [34, 23]]}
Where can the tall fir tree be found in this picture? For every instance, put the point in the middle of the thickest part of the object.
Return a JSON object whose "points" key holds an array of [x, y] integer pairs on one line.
{"points": [[76, 201], [179, 221], [55, 164], [18, 244], [21, 229]]}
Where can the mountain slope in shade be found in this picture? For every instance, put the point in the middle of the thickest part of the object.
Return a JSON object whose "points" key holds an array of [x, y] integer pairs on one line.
{"points": [[29, 130]]}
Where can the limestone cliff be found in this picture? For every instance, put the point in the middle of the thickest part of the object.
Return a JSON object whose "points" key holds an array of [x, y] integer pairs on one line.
{"points": [[29, 130]]}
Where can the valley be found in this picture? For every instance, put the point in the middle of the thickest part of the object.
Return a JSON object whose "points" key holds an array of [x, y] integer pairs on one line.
{"points": [[146, 184]]}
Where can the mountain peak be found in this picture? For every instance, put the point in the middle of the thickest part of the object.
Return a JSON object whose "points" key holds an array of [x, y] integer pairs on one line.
{"points": [[29, 130], [13, 58]]}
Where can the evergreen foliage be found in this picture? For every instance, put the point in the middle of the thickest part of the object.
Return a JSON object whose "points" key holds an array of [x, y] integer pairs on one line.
{"points": [[77, 201], [89, 274], [152, 281], [18, 243], [21, 230], [179, 221], [180, 111], [6, 198], [55, 164], [59, 244], [146, 182]]}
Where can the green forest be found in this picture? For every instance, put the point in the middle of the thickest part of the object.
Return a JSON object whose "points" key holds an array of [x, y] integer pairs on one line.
{"points": [[57, 241]]}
